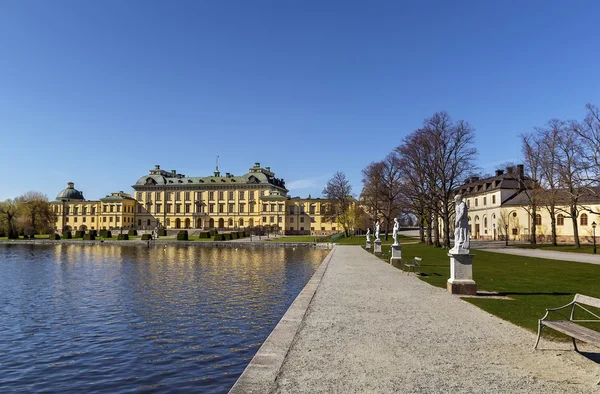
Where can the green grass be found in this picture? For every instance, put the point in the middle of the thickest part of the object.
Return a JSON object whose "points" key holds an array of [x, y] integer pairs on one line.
{"points": [[534, 284], [589, 249], [291, 238], [361, 240]]}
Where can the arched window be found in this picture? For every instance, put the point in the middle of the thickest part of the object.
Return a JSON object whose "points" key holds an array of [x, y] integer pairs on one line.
{"points": [[538, 219], [230, 223], [583, 219], [485, 222], [560, 220]]}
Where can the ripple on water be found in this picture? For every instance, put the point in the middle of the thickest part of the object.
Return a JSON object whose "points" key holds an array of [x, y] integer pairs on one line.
{"points": [[114, 319]]}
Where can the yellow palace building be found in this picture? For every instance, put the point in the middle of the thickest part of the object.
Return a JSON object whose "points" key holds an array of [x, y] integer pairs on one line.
{"points": [[167, 199]]}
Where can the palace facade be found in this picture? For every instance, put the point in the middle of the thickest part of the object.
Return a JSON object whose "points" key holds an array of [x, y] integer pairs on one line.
{"points": [[167, 199], [500, 205]]}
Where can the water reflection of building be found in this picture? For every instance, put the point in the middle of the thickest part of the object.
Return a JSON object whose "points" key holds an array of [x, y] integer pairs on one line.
{"points": [[175, 201]]}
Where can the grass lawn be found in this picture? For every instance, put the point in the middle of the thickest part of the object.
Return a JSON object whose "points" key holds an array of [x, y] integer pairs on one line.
{"points": [[535, 284], [292, 238], [585, 248], [361, 240]]}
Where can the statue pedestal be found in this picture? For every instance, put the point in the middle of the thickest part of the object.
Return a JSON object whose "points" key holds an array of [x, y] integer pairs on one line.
{"points": [[396, 259], [377, 249], [368, 247], [461, 275]]}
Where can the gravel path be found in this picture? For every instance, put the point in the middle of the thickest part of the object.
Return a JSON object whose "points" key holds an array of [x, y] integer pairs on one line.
{"points": [[372, 329], [548, 254]]}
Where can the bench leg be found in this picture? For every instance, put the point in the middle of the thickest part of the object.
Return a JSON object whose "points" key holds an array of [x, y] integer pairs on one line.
{"points": [[575, 345], [539, 334]]}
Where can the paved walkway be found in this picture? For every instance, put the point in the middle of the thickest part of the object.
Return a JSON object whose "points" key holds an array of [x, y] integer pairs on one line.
{"points": [[362, 326], [547, 254]]}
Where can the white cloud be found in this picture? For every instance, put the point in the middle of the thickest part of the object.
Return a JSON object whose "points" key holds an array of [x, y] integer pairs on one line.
{"points": [[301, 184]]}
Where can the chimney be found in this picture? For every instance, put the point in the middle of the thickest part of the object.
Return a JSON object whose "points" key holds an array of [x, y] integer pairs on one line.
{"points": [[157, 167], [173, 172], [70, 185], [228, 175], [257, 165], [499, 172], [521, 170], [510, 170], [268, 168]]}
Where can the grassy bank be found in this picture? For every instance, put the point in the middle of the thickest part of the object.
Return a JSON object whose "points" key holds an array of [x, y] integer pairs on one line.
{"points": [[532, 284]]}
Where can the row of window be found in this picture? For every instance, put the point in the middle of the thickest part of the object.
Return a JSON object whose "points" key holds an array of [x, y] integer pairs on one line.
{"points": [[187, 223], [220, 208], [92, 211], [187, 195], [476, 201], [560, 219], [126, 219]]}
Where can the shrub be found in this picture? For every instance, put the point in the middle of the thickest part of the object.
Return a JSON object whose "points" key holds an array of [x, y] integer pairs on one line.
{"points": [[89, 237], [105, 234], [66, 235], [182, 235], [146, 237], [132, 232], [93, 232], [79, 234], [235, 235], [123, 237], [213, 232], [204, 234], [162, 232], [220, 237], [55, 237], [25, 236]]}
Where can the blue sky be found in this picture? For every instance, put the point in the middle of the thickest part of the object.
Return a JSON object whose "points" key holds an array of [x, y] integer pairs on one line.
{"points": [[97, 93]]}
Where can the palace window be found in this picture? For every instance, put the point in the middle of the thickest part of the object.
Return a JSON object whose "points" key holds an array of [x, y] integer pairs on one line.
{"points": [[93, 219], [272, 207], [231, 195], [148, 196], [583, 220], [187, 208], [221, 197], [177, 208], [158, 208], [264, 219], [515, 231], [252, 195], [242, 208], [312, 210], [139, 196], [279, 219], [302, 208], [221, 208], [272, 219], [168, 196], [211, 196], [104, 219], [75, 220], [177, 196], [117, 219], [484, 219], [494, 199], [264, 208], [302, 219], [468, 203], [312, 220], [110, 219], [262, 193], [104, 208], [292, 210], [484, 201], [251, 208], [112, 208], [241, 195], [76, 211], [475, 202], [230, 208], [157, 196], [139, 209], [280, 207], [538, 219], [230, 222], [118, 208], [168, 207], [560, 220], [211, 208], [187, 196], [139, 222], [291, 220]]}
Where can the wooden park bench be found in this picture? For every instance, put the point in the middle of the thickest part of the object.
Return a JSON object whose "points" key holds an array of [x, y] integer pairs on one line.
{"points": [[415, 263], [571, 326]]}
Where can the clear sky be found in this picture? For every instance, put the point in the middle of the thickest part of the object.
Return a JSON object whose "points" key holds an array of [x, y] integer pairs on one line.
{"points": [[98, 92]]}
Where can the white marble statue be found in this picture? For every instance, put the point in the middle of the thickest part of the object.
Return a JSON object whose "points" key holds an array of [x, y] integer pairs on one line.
{"points": [[368, 235], [377, 231], [461, 228], [395, 232]]}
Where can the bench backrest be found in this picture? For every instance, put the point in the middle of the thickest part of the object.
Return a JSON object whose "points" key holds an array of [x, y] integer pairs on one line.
{"points": [[418, 259], [587, 300]]}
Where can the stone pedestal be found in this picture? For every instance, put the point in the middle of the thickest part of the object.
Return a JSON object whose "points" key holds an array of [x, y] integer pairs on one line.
{"points": [[396, 259], [377, 249], [461, 275], [368, 245]]}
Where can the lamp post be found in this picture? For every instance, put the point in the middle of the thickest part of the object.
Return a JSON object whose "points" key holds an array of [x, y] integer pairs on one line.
{"points": [[594, 228], [506, 233]]}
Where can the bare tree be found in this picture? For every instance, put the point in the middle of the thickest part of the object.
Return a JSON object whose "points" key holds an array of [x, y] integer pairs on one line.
{"points": [[532, 153], [339, 193], [372, 190], [9, 211], [37, 216], [549, 155]]}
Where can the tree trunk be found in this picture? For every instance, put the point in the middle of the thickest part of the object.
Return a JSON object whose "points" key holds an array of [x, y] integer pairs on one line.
{"points": [[429, 240], [553, 224], [436, 230], [422, 229], [533, 239], [575, 229]]}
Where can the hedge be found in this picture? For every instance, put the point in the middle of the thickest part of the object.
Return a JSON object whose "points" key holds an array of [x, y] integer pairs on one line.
{"points": [[220, 237], [105, 234], [55, 237], [235, 235], [123, 237], [79, 234], [182, 235], [132, 232], [213, 232], [204, 234], [162, 232], [66, 235], [89, 237], [93, 232], [146, 237]]}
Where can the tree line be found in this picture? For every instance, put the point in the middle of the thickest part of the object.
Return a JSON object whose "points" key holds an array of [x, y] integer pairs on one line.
{"points": [[28, 214]]}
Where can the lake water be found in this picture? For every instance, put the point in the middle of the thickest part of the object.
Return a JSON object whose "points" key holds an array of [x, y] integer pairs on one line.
{"points": [[111, 319]]}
